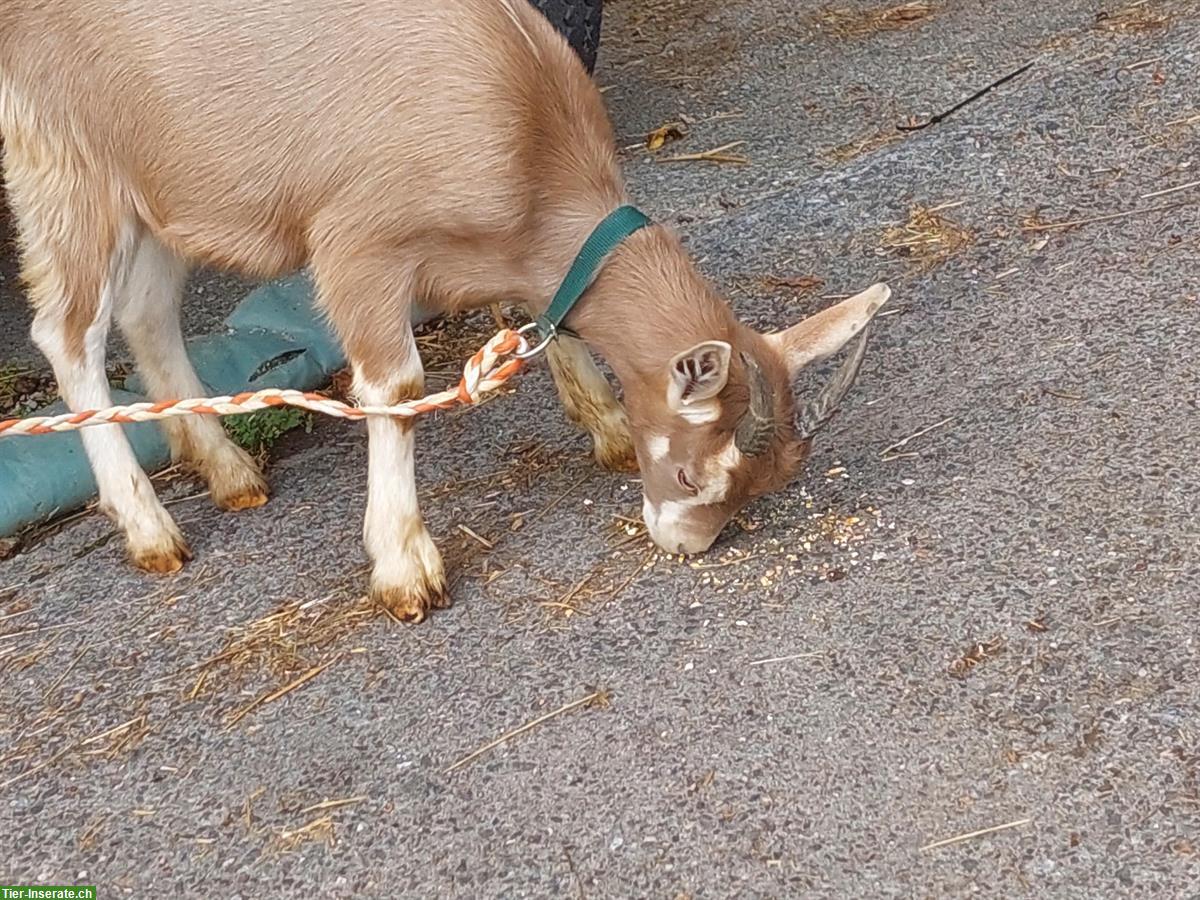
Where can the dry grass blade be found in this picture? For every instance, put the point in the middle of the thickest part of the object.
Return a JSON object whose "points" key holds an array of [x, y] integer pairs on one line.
{"points": [[596, 697], [248, 809], [1033, 223], [121, 737], [545, 510], [854, 23], [886, 452], [1062, 395], [111, 732], [285, 641], [87, 840], [28, 773], [1186, 120], [779, 659], [1133, 19], [1037, 625], [928, 238], [905, 14], [564, 601], [477, 538], [65, 672], [39, 629], [740, 558], [862, 145], [716, 154], [18, 659], [1171, 190], [979, 652], [332, 804], [798, 284], [272, 696], [959, 838], [638, 569], [319, 829]]}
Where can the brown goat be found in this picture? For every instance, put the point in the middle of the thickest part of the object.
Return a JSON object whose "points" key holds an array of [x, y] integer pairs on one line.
{"points": [[454, 154]]}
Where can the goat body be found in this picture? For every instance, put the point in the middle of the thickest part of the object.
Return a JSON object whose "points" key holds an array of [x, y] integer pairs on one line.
{"points": [[454, 154]]}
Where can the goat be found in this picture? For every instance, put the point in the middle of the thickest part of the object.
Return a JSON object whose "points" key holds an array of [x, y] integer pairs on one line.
{"points": [[452, 153]]}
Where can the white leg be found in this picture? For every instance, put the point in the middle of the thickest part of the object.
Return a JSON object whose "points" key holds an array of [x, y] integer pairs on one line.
{"points": [[408, 576], [368, 298], [148, 313], [126, 494], [588, 401]]}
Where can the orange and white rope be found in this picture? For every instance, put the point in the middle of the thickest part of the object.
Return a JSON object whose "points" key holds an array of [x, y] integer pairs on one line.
{"points": [[490, 367]]}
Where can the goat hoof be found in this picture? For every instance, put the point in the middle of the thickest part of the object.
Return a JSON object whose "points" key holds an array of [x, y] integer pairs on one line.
{"points": [[247, 498], [409, 605], [238, 487], [164, 557]]}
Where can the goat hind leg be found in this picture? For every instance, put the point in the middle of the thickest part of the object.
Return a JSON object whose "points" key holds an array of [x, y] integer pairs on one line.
{"points": [[148, 313], [71, 263]]}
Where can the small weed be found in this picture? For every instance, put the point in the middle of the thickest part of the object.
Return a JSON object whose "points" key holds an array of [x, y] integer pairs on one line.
{"points": [[257, 432], [23, 390]]}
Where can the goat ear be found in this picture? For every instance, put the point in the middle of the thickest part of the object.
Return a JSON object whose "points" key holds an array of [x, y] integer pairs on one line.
{"points": [[698, 374], [828, 331]]}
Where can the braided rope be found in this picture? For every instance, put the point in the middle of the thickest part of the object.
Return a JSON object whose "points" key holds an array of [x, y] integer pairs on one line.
{"points": [[483, 373]]}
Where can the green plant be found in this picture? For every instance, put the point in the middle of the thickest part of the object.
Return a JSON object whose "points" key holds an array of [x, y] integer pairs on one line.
{"points": [[257, 432], [22, 390]]}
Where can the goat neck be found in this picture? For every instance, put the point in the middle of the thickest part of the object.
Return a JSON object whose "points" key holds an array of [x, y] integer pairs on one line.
{"points": [[649, 303]]}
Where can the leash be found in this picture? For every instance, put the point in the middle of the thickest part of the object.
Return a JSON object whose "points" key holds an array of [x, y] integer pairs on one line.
{"points": [[609, 234], [486, 371]]}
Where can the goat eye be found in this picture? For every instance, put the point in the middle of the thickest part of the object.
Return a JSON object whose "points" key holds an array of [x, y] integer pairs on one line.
{"points": [[686, 483]]}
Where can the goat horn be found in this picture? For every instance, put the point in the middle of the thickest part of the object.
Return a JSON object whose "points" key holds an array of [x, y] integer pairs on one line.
{"points": [[817, 413], [757, 425]]}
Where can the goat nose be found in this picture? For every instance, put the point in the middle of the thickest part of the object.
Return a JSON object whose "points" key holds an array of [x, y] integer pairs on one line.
{"points": [[677, 544], [669, 529], [685, 543], [693, 545]]}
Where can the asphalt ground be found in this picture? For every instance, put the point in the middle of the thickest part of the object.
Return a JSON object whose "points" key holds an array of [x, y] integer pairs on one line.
{"points": [[991, 624]]}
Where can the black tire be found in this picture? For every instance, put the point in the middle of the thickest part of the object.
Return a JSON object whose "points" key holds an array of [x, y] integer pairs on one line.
{"points": [[579, 22]]}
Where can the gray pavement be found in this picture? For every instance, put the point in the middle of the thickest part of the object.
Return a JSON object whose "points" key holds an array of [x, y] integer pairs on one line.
{"points": [[993, 624]]}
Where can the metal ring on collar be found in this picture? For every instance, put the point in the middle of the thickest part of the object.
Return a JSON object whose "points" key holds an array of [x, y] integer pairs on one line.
{"points": [[529, 353]]}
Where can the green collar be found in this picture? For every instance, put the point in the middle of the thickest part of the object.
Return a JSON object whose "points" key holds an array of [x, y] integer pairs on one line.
{"points": [[609, 234]]}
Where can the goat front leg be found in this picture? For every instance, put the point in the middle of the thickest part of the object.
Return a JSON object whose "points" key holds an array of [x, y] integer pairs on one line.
{"points": [[369, 302], [588, 401], [408, 576]]}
